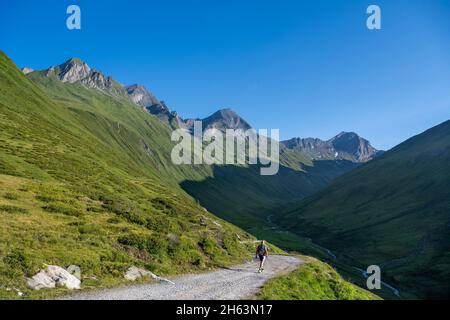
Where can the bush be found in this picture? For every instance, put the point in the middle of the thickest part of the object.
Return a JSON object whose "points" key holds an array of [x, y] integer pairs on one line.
{"points": [[113, 220], [46, 198], [133, 218], [134, 240], [12, 209], [126, 210], [165, 206], [17, 260], [158, 223], [93, 209], [10, 196], [231, 244], [157, 245], [76, 223], [185, 250], [208, 245], [60, 208], [89, 229]]}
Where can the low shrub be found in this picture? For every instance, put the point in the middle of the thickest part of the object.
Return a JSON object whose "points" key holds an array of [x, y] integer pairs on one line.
{"points": [[208, 245], [156, 245], [12, 209], [17, 260], [113, 220], [134, 240], [10, 196], [61, 208]]}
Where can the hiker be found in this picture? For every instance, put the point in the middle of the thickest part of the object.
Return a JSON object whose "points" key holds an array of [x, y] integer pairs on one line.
{"points": [[262, 252]]}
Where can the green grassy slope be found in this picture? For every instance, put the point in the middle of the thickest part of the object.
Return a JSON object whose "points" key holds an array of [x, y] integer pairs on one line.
{"points": [[393, 212], [78, 186], [314, 280]]}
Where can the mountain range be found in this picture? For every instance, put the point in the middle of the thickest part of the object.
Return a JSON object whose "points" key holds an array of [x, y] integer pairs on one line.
{"points": [[344, 146]]}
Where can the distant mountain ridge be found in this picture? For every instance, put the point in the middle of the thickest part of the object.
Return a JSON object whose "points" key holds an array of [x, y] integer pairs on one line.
{"points": [[344, 146]]}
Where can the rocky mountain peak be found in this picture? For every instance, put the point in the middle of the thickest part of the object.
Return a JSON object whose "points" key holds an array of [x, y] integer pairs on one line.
{"points": [[225, 119], [352, 143], [344, 146], [72, 70], [75, 70]]}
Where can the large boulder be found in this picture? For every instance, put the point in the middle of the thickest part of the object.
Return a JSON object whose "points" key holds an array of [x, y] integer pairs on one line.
{"points": [[53, 276], [133, 273]]}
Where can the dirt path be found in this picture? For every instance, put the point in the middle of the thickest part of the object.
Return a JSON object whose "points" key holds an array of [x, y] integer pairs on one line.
{"points": [[236, 282]]}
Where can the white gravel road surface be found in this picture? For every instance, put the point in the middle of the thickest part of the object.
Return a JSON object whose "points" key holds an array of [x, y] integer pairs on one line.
{"points": [[232, 283]]}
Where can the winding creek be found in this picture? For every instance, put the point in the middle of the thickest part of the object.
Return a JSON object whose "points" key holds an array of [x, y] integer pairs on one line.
{"points": [[364, 273]]}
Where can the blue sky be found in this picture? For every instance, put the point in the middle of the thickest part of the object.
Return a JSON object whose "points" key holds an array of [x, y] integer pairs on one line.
{"points": [[309, 68]]}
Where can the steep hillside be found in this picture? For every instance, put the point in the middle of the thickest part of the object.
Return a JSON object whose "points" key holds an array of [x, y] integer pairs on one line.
{"points": [[393, 212], [84, 181]]}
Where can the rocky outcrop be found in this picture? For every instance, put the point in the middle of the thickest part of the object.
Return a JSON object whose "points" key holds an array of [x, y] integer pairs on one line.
{"points": [[53, 276], [144, 98], [74, 70], [134, 273], [141, 96], [26, 70]]}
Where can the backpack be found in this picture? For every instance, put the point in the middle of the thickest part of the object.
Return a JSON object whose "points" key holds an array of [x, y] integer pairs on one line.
{"points": [[262, 250]]}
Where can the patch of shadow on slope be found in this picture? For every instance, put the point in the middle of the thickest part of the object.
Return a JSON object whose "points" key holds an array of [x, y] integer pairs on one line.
{"points": [[242, 196]]}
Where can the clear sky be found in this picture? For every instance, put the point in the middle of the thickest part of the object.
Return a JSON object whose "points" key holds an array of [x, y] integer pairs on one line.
{"points": [[309, 68]]}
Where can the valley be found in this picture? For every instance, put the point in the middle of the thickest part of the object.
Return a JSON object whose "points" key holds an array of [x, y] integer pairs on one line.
{"points": [[87, 179]]}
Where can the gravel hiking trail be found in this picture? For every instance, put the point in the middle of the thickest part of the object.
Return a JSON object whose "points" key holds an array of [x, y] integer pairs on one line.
{"points": [[233, 283]]}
